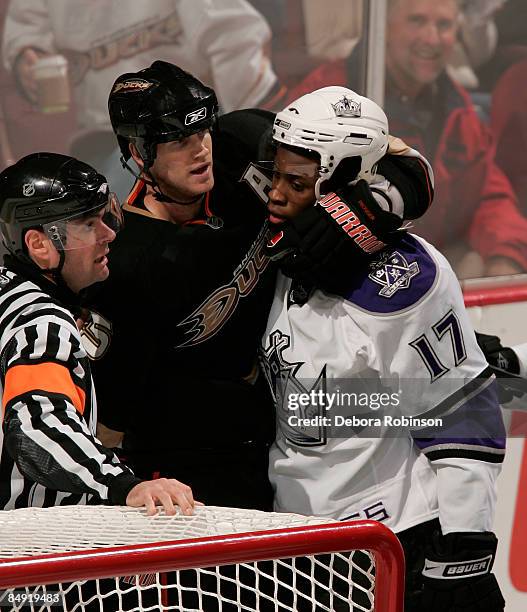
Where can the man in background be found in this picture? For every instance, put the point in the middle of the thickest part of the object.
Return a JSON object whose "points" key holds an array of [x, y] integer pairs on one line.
{"points": [[475, 220]]}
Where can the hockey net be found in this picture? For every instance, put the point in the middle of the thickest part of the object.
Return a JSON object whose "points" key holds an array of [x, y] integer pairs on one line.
{"points": [[79, 558]]}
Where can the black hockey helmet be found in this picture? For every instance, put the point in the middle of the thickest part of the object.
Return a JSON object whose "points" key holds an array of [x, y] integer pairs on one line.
{"points": [[47, 190], [159, 104]]}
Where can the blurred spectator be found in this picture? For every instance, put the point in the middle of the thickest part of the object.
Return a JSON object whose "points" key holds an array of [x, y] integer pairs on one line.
{"points": [[475, 219], [309, 32], [16, 113], [222, 42], [290, 58], [332, 28], [512, 42], [477, 39], [509, 123]]}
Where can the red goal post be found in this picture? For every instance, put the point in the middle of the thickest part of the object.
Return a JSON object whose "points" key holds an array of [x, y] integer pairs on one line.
{"points": [[35, 549]]}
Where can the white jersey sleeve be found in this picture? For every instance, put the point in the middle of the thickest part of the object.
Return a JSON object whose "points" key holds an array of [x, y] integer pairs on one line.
{"points": [[232, 36]]}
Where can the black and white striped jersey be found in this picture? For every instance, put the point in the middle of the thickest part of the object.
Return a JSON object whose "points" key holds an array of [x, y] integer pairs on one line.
{"points": [[49, 453]]}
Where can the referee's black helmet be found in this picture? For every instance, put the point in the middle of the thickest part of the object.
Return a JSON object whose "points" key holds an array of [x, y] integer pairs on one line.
{"points": [[43, 188]]}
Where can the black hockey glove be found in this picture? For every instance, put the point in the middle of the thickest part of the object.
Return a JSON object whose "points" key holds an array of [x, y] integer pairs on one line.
{"points": [[505, 364], [317, 248], [410, 176], [457, 574]]}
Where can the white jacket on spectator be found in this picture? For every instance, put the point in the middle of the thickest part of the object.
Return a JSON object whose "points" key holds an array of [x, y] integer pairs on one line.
{"points": [[222, 43]]}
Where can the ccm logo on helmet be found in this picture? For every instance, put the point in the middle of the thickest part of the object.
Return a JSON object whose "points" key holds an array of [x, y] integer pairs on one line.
{"points": [[351, 224], [196, 115]]}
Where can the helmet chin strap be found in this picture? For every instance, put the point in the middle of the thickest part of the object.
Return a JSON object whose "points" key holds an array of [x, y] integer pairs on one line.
{"points": [[56, 272], [162, 197], [151, 182], [318, 184]]}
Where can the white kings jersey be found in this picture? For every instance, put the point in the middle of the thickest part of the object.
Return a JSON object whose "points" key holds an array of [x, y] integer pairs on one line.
{"points": [[402, 324]]}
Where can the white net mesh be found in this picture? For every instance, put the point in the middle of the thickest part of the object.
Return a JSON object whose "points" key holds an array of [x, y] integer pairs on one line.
{"points": [[38, 531], [332, 581]]}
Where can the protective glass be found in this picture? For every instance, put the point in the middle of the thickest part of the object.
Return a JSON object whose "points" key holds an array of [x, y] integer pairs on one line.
{"points": [[86, 228]]}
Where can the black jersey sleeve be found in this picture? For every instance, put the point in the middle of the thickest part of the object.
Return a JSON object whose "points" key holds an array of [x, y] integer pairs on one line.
{"points": [[242, 137]]}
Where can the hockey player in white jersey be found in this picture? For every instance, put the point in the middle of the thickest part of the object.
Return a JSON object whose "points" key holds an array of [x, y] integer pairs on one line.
{"points": [[400, 327]]}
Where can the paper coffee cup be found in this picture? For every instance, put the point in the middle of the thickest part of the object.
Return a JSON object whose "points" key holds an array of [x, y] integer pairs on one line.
{"points": [[53, 88]]}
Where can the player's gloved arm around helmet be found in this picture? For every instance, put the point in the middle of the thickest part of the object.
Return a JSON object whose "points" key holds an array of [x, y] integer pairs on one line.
{"points": [[410, 177]]}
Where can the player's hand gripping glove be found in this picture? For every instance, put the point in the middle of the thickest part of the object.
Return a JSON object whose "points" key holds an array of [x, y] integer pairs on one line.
{"points": [[505, 364], [326, 243], [457, 574]]}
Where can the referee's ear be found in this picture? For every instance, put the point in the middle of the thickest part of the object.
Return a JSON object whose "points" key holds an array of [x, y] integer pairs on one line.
{"points": [[41, 250]]}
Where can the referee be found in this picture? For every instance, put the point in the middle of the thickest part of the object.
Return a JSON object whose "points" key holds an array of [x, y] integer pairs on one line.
{"points": [[57, 219]]}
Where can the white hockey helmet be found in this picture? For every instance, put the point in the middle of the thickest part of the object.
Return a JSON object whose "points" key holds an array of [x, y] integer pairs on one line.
{"points": [[337, 123]]}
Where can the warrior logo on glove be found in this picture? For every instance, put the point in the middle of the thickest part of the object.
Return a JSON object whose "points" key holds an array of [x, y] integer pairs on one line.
{"points": [[351, 224]]}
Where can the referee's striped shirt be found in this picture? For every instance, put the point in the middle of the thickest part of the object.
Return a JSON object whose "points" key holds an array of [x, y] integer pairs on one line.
{"points": [[49, 453]]}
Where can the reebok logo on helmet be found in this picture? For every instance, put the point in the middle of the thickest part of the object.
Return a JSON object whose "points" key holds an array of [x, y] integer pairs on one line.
{"points": [[196, 115]]}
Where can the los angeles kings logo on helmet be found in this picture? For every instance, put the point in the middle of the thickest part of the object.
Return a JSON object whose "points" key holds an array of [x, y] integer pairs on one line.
{"points": [[347, 107]]}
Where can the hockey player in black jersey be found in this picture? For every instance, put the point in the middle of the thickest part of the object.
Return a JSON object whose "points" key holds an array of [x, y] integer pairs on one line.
{"points": [[57, 219], [191, 285]]}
